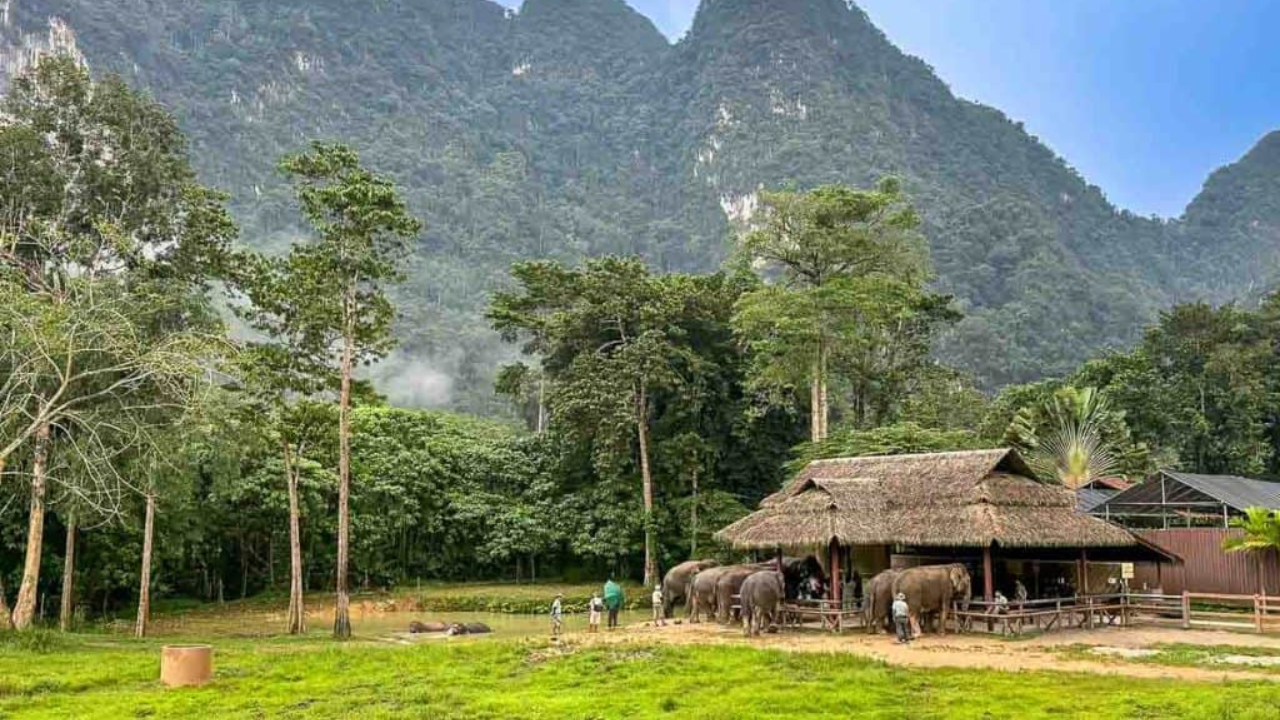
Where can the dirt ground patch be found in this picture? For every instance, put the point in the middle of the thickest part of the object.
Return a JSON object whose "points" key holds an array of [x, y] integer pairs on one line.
{"points": [[971, 651]]}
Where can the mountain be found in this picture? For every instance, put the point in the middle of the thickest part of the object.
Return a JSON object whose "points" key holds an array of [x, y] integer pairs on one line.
{"points": [[573, 128]]}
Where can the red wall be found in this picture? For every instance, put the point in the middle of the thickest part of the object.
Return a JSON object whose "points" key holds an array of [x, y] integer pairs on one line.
{"points": [[1206, 567]]}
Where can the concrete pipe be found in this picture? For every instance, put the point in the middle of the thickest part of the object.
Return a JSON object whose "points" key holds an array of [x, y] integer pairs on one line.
{"points": [[186, 665]]}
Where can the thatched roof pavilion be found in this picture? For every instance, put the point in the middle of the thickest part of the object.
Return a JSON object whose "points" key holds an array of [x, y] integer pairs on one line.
{"points": [[969, 499]]}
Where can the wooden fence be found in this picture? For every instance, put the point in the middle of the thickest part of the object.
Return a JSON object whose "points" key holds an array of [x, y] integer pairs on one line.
{"points": [[1256, 613]]}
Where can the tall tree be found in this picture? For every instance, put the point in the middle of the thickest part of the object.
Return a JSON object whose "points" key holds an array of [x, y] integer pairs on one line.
{"points": [[362, 228], [846, 270], [612, 339], [281, 374], [106, 241]]}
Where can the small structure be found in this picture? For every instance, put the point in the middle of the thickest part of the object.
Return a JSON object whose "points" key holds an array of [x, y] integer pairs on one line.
{"points": [[186, 665], [1189, 515], [1099, 491], [980, 507]]}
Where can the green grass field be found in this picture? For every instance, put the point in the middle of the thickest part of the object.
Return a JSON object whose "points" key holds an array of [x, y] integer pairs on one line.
{"points": [[104, 676]]}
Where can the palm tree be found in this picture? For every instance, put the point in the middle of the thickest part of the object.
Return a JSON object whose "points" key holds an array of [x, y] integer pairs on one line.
{"points": [[1261, 536], [1261, 531], [1073, 448]]}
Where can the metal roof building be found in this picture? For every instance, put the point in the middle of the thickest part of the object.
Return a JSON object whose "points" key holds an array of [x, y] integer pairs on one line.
{"points": [[1178, 499]]}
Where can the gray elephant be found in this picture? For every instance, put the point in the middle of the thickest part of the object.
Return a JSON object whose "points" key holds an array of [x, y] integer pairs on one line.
{"points": [[416, 627], [762, 594], [676, 585], [932, 588], [473, 628], [703, 592], [878, 598], [729, 584]]}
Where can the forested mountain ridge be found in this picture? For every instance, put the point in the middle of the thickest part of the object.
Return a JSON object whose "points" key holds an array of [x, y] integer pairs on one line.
{"points": [[572, 128]]}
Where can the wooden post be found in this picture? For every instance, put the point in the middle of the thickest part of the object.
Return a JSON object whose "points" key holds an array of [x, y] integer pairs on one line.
{"points": [[1084, 571], [988, 583], [1257, 613], [833, 551], [1186, 610]]}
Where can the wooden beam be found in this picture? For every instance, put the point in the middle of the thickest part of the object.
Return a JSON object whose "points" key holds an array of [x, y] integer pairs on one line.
{"points": [[833, 551], [988, 580], [1084, 571]]}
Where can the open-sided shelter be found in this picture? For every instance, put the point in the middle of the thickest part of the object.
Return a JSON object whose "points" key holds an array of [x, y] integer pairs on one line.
{"points": [[979, 506]]}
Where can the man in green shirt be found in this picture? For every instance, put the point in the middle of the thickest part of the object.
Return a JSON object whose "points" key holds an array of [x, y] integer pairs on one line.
{"points": [[613, 599]]}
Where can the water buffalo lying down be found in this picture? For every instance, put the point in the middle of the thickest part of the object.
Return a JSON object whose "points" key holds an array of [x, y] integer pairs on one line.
{"points": [[474, 628], [416, 628]]}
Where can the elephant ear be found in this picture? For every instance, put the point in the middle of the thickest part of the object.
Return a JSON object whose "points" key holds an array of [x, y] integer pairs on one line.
{"points": [[959, 578]]}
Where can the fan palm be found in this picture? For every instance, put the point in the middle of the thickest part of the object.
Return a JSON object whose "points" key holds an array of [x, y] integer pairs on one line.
{"points": [[1073, 448]]}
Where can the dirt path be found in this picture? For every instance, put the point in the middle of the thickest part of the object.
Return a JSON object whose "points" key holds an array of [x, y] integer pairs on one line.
{"points": [[971, 651]]}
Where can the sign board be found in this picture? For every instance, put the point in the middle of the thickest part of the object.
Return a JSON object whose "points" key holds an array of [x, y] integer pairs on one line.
{"points": [[1126, 570]]}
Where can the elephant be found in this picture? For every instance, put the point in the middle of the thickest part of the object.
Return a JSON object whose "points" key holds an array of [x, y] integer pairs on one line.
{"points": [[676, 585], [762, 594], [728, 584], [474, 628], [798, 570], [932, 588], [878, 598], [703, 592], [416, 627]]}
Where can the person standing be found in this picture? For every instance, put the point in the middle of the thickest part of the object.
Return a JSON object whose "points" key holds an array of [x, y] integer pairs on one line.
{"points": [[557, 616], [659, 617], [613, 599], [902, 618], [594, 608]]}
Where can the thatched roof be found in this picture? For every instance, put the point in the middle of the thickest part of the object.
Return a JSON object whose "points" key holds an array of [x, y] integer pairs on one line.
{"points": [[954, 499]]}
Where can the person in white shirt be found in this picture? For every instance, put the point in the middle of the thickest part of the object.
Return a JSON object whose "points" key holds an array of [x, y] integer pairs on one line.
{"points": [[557, 616], [659, 617], [594, 609]]}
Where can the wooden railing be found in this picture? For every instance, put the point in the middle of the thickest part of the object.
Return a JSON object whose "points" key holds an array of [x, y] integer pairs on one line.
{"points": [[1257, 613], [1016, 617]]}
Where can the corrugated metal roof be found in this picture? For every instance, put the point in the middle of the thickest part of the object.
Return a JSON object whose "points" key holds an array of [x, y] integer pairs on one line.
{"points": [[1090, 498], [1238, 492]]}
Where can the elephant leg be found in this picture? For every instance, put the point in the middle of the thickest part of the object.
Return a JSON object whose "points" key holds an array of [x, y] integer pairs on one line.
{"points": [[914, 618]]}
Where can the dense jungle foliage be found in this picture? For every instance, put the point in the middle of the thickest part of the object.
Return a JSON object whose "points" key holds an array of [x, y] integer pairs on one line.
{"points": [[573, 129], [650, 394]]}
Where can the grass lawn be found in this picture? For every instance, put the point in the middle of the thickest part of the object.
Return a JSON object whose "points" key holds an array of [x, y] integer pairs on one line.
{"points": [[1186, 655], [105, 676]]}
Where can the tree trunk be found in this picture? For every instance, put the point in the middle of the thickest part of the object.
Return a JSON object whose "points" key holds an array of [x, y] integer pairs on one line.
{"points": [[824, 409], [144, 584], [819, 409], [815, 407], [646, 476], [297, 618], [693, 518], [68, 576], [244, 568], [542, 403], [342, 613], [5, 622], [24, 608]]}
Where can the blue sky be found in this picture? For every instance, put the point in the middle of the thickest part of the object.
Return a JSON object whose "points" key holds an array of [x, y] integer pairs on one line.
{"points": [[1144, 97]]}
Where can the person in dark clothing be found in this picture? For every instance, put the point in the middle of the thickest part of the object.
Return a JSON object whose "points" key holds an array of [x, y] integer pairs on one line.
{"points": [[613, 599]]}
